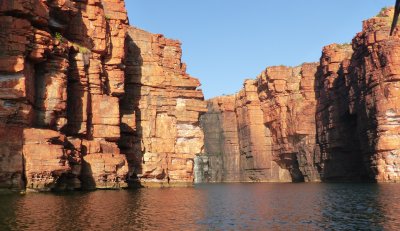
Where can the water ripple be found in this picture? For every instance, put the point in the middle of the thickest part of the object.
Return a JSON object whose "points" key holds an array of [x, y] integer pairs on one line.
{"points": [[210, 207]]}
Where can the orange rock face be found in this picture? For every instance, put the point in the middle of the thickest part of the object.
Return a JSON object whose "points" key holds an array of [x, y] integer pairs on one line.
{"points": [[266, 132], [61, 78], [87, 102], [336, 121], [160, 110], [288, 101], [358, 105], [374, 91], [340, 156], [76, 89]]}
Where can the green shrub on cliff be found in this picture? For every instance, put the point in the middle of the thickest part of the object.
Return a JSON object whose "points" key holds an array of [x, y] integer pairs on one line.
{"points": [[59, 37], [381, 13], [80, 48]]}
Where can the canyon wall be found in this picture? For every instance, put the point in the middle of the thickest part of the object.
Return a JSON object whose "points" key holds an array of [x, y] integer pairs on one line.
{"points": [[267, 130], [165, 104], [358, 105], [84, 105], [61, 76], [337, 120], [88, 102]]}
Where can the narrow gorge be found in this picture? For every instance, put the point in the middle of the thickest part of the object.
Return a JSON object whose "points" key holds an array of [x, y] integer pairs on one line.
{"points": [[89, 102]]}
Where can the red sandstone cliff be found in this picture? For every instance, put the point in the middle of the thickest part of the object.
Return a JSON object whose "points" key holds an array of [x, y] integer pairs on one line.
{"points": [[270, 127], [166, 136], [358, 129], [61, 78], [334, 121], [73, 95], [87, 102]]}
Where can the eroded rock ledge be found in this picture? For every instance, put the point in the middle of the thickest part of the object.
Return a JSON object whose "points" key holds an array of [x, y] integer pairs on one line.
{"points": [[337, 120]]}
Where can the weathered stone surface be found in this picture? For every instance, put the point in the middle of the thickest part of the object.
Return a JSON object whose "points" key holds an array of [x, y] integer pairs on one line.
{"points": [[336, 121], [45, 160], [266, 132], [340, 156], [222, 159], [56, 79], [357, 106], [76, 89], [87, 103], [374, 71], [11, 161], [288, 102], [104, 170], [160, 110]]}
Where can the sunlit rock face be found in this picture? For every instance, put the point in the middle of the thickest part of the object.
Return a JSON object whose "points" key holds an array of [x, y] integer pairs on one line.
{"points": [[160, 111], [288, 101], [61, 76], [374, 71], [87, 102], [340, 157], [358, 109], [76, 89], [266, 132]]}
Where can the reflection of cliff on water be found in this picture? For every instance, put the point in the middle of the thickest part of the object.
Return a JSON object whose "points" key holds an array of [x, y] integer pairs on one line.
{"points": [[210, 207], [102, 210], [388, 200]]}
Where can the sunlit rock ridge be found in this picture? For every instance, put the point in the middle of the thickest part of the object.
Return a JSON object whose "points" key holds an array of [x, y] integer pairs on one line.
{"points": [[89, 102]]}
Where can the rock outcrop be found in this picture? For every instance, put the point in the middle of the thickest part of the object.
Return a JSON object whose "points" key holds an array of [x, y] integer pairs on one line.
{"points": [[357, 119], [61, 76], [73, 95], [333, 121], [160, 111], [267, 130], [222, 162]]}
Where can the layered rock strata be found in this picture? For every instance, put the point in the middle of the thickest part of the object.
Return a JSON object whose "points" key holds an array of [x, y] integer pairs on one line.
{"points": [[357, 119], [332, 121], [160, 111], [375, 71], [267, 130], [69, 104], [60, 65], [87, 102]]}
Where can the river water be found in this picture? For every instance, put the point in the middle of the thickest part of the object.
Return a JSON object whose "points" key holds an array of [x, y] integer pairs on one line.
{"points": [[260, 206]]}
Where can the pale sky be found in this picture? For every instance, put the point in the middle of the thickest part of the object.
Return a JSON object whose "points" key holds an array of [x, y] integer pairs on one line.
{"points": [[227, 41]]}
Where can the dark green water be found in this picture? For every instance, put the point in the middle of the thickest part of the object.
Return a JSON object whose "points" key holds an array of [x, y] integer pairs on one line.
{"points": [[210, 207]]}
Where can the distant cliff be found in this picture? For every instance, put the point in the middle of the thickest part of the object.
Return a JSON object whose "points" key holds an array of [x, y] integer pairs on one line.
{"points": [[337, 120], [266, 132]]}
